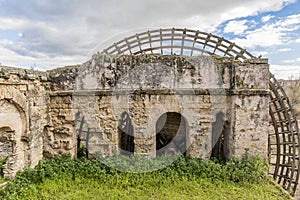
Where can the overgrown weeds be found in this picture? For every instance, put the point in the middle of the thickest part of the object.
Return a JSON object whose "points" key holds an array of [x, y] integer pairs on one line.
{"points": [[246, 170]]}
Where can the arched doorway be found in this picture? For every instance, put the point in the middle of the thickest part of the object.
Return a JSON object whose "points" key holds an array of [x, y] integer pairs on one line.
{"points": [[171, 134], [12, 145]]}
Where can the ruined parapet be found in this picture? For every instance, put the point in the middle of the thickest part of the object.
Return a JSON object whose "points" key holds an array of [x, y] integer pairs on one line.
{"points": [[205, 90], [63, 79], [197, 102]]}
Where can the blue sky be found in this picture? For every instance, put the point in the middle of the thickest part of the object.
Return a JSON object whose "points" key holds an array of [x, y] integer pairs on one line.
{"points": [[52, 33]]}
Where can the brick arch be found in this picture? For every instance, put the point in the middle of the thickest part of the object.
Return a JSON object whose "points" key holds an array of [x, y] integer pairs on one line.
{"points": [[284, 148]]}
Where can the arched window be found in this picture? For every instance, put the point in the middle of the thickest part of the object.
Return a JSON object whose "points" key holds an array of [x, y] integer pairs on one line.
{"points": [[218, 137], [171, 134], [126, 137]]}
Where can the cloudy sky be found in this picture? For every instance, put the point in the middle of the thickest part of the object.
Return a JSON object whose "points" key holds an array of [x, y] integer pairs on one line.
{"points": [[45, 34]]}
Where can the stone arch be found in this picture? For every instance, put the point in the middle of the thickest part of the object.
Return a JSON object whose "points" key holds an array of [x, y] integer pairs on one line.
{"points": [[284, 148], [15, 97], [12, 126], [171, 134]]}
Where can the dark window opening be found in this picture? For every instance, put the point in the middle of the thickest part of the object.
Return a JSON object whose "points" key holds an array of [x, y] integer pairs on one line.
{"points": [[126, 137], [219, 137], [171, 131]]}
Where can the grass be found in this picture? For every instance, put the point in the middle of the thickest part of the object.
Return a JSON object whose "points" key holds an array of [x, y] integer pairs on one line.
{"points": [[186, 178], [120, 187], [2, 180]]}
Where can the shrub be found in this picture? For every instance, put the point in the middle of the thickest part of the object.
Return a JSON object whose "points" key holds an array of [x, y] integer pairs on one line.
{"points": [[249, 169]]}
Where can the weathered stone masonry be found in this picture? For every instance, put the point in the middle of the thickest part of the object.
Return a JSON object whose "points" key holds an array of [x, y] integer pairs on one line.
{"points": [[203, 96]]}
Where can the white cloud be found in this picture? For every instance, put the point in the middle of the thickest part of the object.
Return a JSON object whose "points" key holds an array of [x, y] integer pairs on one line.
{"points": [[292, 60], [250, 8], [70, 29], [8, 23], [266, 18], [297, 40], [285, 50], [289, 61], [284, 71], [261, 37], [275, 33], [236, 27], [42, 61]]}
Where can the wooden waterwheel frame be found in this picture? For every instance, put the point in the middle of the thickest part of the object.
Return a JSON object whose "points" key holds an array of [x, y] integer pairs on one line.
{"points": [[283, 146]]}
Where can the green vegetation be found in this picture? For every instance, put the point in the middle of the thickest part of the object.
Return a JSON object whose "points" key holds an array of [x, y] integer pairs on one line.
{"points": [[2, 162], [186, 178]]}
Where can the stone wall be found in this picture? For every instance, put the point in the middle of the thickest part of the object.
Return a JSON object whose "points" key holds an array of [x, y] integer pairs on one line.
{"points": [[250, 111], [110, 95], [23, 101]]}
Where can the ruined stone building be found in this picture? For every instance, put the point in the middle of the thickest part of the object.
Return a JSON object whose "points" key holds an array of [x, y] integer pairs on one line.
{"points": [[165, 90]]}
